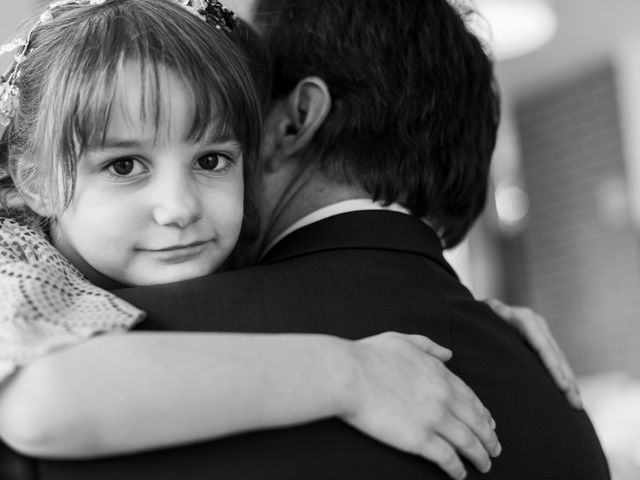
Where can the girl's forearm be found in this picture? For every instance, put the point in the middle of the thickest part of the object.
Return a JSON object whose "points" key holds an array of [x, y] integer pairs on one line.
{"points": [[127, 393]]}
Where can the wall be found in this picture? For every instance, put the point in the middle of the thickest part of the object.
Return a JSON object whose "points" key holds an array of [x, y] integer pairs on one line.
{"points": [[580, 250]]}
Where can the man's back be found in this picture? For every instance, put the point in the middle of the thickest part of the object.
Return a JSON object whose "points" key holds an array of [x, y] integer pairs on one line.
{"points": [[367, 272]]}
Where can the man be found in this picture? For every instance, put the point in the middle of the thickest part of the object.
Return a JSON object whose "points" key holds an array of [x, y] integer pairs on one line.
{"points": [[382, 113]]}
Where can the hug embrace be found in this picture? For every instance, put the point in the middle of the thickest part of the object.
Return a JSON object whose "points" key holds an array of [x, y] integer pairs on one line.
{"points": [[213, 231]]}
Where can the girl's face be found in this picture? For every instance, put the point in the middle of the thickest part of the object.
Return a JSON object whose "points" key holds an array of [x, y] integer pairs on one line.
{"points": [[151, 206]]}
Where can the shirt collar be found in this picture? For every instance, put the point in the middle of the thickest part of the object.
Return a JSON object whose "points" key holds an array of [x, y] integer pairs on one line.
{"points": [[353, 205]]}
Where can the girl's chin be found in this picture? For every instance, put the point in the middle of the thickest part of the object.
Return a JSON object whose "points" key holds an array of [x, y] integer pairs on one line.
{"points": [[169, 274]]}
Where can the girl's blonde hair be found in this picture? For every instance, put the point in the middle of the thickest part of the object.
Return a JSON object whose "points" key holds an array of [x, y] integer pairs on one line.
{"points": [[75, 66]]}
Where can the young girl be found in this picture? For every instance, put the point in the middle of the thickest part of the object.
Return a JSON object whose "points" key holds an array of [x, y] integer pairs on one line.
{"points": [[131, 156], [130, 128]]}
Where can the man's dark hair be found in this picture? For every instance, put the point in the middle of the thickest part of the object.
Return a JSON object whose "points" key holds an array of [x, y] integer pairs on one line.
{"points": [[414, 105]]}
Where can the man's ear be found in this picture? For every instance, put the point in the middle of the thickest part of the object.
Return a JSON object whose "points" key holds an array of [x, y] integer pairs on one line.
{"points": [[35, 198], [294, 120]]}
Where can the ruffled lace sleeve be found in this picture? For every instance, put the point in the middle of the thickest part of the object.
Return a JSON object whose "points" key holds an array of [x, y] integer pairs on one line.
{"points": [[46, 303]]}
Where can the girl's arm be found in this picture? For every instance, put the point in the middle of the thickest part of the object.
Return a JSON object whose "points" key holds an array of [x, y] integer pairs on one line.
{"points": [[125, 393], [75, 393]]}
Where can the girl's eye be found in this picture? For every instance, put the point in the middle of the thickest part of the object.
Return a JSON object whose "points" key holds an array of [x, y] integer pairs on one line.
{"points": [[125, 167], [213, 162]]}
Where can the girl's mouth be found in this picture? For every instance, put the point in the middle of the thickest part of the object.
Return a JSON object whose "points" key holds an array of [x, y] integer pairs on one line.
{"points": [[179, 253]]}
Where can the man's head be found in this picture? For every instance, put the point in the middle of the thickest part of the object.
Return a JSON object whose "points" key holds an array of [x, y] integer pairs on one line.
{"points": [[412, 112]]}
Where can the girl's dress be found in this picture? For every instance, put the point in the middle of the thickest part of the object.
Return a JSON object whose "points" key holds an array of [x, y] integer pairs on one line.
{"points": [[46, 303]]}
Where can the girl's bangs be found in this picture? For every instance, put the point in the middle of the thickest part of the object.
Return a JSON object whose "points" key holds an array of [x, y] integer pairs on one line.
{"points": [[209, 110], [160, 38], [209, 116]]}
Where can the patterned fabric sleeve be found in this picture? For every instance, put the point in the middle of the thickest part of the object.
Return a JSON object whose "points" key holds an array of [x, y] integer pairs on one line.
{"points": [[46, 303]]}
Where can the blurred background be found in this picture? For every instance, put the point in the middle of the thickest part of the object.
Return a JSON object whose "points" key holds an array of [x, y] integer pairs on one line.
{"points": [[561, 230]]}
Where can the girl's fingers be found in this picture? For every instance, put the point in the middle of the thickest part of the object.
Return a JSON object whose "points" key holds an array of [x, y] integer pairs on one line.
{"points": [[535, 330], [443, 454], [429, 346], [474, 416], [466, 443], [501, 309]]}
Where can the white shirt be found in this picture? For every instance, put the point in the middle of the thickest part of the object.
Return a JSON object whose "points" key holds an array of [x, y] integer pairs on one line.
{"points": [[354, 205]]}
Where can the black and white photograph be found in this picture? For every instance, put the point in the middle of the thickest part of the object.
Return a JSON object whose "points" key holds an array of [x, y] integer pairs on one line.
{"points": [[319, 239]]}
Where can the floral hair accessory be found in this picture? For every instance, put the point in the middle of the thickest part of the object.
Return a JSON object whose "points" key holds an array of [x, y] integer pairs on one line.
{"points": [[9, 90], [212, 12]]}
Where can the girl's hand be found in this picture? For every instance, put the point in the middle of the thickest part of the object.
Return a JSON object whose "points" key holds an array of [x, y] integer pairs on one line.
{"points": [[535, 330], [406, 397]]}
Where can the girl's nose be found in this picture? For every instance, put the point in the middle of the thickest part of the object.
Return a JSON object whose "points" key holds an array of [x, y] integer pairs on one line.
{"points": [[176, 202]]}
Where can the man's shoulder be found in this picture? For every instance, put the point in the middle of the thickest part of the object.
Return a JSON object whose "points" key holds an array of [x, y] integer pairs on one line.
{"points": [[321, 288], [341, 267]]}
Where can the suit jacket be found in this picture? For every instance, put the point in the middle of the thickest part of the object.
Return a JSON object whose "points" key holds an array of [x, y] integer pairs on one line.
{"points": [[354, 275]]}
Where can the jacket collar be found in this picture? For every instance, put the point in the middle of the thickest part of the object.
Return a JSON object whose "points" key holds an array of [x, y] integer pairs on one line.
{"points": [[382, 230]]}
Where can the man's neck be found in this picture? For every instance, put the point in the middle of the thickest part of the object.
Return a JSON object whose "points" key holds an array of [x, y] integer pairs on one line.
{"points": [[311, 193], [341, 207]]}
